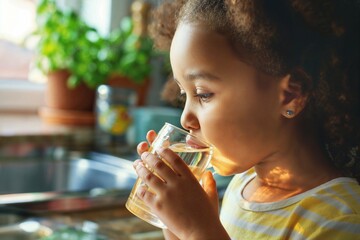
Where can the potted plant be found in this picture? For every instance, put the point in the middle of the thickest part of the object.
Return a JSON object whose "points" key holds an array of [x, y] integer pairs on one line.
{"points": [[133, 68], [77, 59]]}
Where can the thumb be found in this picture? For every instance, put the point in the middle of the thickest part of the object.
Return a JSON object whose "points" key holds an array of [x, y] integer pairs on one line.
{"points": [[209, 185]]}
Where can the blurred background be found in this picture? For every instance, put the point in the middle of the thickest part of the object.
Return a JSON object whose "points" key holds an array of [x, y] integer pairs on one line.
{"points": [[18, 21], [86, 42], [80, 86]]}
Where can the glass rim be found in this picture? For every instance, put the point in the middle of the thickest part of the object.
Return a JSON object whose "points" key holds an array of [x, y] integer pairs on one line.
{"points": [[192, 135]]}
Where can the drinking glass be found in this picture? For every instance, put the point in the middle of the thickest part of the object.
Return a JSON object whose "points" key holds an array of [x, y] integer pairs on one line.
{"points": [[194, 151]]}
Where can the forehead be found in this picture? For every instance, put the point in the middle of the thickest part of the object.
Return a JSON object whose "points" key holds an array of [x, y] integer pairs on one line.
{"points": [[189, 35], [195, 44]]}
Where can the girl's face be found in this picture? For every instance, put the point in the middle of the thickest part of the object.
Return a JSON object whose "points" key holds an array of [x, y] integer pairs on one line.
{"points": [[228, 102]]}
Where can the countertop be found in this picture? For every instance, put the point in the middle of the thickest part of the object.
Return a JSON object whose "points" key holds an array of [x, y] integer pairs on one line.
{"points": [[25, 124]]}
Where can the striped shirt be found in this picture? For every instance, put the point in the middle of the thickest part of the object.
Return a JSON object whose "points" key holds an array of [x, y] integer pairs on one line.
{"points": [[329, 211]]}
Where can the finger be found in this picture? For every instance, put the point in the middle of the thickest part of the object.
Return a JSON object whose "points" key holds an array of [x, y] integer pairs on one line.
{"points": [[147, 176], [150, 136], [209, 185], [146, 195], [142, 147], [176, 163], [158, 166]]}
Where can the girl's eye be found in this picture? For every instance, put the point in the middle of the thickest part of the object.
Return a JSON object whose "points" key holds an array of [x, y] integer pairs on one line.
{"points": [[204, 97]]}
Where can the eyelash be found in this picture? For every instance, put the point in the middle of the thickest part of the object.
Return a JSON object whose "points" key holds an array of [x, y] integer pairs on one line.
{"points": [[203, 97]]}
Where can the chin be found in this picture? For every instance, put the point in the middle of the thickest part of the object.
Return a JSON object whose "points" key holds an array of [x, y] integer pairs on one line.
{"points": [[228, 172], [225, 167], [223, 172]]}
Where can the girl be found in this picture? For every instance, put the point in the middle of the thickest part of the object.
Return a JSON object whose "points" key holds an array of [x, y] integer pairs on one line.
{"points": [[273, 86]]}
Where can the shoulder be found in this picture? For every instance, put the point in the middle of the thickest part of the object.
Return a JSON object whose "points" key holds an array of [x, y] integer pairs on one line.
{"points": [[341, 196], [334, 209]]}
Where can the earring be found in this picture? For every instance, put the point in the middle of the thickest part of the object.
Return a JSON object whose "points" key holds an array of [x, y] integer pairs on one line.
{"points": [[289, 113]]}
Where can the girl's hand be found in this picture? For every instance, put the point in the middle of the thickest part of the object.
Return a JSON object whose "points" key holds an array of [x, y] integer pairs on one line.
{"points": [[141, 148], [144, 146], [176, 197]]}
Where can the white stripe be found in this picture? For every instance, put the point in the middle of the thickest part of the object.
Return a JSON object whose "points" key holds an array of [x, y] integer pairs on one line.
{"points": [[339, 205], [309, 216], [353, 193], [353, 228]]}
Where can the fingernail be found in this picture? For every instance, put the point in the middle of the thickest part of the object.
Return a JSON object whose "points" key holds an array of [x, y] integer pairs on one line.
{"points": [[144, 145]]}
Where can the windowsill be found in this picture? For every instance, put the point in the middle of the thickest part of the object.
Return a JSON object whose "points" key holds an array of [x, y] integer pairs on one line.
{"points": [[25, 134], [26, 124], [21, 95]]}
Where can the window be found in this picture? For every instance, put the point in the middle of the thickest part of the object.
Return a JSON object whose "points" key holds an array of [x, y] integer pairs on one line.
{"points": [[17, 21]]}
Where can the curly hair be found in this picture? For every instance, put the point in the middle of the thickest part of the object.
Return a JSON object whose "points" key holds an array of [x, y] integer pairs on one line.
{"points": [[315, 41]]}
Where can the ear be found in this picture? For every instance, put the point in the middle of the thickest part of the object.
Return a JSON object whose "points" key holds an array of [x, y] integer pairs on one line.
{"points": [[292, 96]]}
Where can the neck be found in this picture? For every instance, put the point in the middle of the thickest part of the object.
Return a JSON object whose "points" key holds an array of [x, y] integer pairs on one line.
{"points": [[302, 165]]}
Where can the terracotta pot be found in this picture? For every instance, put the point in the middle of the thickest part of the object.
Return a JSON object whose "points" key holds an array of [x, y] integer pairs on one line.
{"points": [[67, 106], [60, 96], [141, 89]]}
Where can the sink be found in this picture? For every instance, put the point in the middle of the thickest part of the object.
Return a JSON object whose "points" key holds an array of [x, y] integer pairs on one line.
{"points": [[67, 184]]}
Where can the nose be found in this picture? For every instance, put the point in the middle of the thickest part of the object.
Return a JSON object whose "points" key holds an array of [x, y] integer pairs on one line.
{"points": [[189, 120]]}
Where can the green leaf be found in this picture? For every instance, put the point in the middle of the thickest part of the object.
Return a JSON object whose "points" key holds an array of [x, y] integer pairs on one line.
{"points": [[126, 25], [73, 81]]}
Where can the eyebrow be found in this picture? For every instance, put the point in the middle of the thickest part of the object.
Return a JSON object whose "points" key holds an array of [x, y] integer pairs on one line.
{"points": [[194, 75]]}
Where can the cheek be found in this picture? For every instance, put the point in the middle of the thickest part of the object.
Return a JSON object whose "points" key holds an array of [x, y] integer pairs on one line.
{"points": [[224, 136], [235, 130], [219, 126]]}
